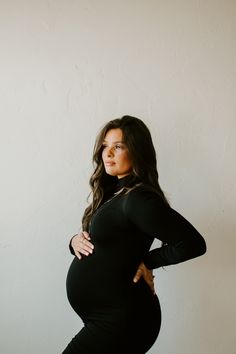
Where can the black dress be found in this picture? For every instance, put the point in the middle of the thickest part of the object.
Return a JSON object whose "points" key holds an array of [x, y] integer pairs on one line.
{"points": [[121, 316]]}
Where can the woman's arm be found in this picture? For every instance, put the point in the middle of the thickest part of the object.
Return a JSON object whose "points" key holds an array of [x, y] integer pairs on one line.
{"points": [[156, 219]]}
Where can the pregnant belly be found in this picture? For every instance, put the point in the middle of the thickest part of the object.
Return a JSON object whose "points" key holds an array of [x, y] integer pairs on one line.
{"points": [[93, 285]]}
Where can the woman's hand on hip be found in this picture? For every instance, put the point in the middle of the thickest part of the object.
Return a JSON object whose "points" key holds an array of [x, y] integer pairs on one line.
{"points": [[147, 275], [81, 244]]}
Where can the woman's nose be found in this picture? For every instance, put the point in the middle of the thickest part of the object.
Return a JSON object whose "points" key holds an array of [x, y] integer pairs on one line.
{"points": [[110, 152]]}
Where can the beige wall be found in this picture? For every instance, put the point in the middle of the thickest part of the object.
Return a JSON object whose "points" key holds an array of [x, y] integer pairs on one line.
{"points": [[66, 67]]}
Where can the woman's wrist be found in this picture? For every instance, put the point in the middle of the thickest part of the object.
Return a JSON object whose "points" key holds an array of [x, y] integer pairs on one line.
{"points": [[70, 245]]}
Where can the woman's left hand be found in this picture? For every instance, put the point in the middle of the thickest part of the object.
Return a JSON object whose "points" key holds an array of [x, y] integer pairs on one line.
{"points": [[147, 275]]}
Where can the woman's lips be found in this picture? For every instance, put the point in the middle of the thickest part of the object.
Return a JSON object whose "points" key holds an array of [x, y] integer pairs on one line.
{"points": [[109, 163]]}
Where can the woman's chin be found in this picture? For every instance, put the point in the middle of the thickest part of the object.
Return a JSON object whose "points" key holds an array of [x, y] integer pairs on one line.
{"points": [[110, 172]]}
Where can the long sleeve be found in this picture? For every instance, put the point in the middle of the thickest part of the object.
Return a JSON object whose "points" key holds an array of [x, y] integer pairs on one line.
{"points": [[150, 214], [70, 245]]}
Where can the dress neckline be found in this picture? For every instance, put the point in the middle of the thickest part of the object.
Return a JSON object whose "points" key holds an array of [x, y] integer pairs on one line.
{"points": [[123, 181]]}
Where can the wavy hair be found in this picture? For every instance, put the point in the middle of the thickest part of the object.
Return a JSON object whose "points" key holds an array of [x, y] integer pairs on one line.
{"points": [[138, 140]]}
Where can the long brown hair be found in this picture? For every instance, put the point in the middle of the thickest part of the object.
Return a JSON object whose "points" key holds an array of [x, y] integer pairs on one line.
{"points": [[137, 138]]}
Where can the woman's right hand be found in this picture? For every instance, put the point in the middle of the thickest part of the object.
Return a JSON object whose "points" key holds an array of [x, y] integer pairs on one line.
{"points": [[81, 244]]}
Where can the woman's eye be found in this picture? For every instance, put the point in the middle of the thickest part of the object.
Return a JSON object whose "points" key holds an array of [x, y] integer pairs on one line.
{"points": [[116, 147]]}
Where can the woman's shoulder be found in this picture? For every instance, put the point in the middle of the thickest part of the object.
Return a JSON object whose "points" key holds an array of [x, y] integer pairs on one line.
{"points": [[143, 201], [143, 193]]}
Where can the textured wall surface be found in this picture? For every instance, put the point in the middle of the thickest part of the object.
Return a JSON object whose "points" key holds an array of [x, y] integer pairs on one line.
{"points": [[67, 67]]}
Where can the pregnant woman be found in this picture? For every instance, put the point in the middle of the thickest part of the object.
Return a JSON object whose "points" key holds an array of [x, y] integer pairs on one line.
{"points": [[110, 282]]}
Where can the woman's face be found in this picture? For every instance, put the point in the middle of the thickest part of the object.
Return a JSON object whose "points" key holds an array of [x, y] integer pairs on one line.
{"points": [[115, 154]]}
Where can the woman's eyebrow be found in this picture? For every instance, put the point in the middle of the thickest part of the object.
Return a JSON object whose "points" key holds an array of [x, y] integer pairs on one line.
{"points": [[114, 142]]}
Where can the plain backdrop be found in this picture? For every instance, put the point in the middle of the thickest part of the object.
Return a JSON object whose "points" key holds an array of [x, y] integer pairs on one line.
{"points": [[66, 68]]}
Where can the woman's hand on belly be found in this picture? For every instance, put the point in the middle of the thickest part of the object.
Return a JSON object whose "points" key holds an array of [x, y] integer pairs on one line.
{"points": [[147, 275], [81, 244]]}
